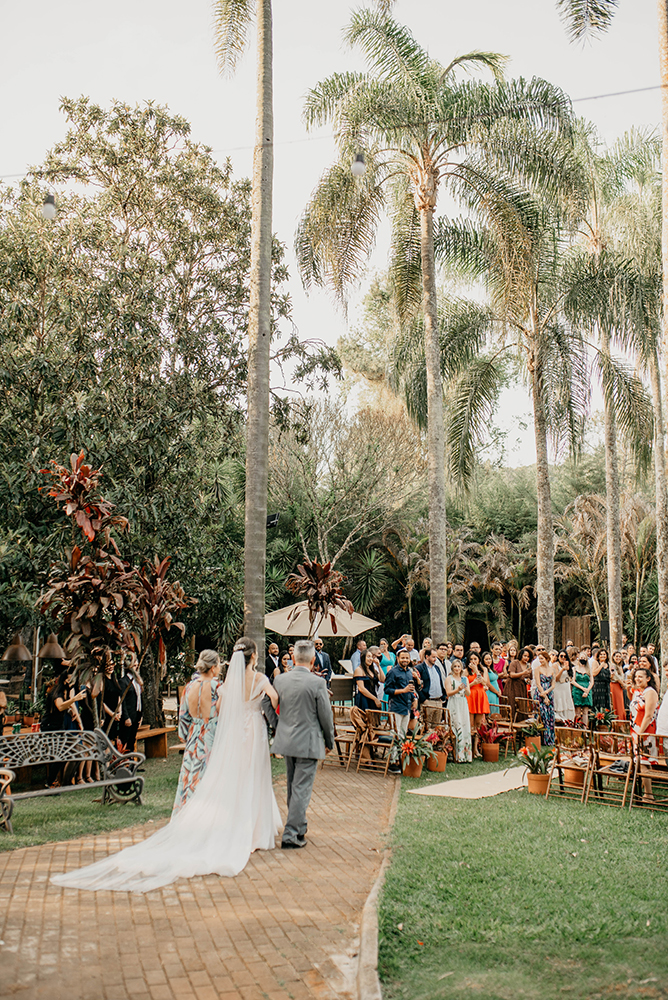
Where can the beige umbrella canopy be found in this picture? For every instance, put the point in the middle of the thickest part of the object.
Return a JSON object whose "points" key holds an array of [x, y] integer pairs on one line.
{"points": [[294, 620]]}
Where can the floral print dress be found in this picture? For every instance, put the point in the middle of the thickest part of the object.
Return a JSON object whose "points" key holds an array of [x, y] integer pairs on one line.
{"points": [[198, 735], [546, 711]]}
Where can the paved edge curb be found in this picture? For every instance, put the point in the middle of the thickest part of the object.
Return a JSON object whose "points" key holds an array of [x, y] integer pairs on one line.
{"points": [[368, 984]]}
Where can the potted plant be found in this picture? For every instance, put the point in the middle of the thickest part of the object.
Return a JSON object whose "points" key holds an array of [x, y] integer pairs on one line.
{"points": [[532, 732], [603, 719], [489, 736], [413, 751], [536, 762], [440, 742]]}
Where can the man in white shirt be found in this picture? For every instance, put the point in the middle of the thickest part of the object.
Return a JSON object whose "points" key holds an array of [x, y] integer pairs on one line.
{"points": [[409, 646]]}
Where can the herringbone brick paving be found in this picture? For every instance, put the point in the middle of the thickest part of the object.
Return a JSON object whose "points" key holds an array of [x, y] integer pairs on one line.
{"points": [[284, 929]]}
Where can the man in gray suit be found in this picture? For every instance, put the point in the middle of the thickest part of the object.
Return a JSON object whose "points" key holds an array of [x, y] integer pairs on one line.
{"points": [[305, 732]]}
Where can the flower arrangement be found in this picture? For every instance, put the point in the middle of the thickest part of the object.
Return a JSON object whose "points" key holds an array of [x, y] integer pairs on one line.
{"points": [[439, 739], [416, 748], [603, 719], [490, 733], [536, 761]]}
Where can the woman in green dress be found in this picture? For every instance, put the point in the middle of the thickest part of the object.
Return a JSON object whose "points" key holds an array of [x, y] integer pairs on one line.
{"points": [[581, 685]]}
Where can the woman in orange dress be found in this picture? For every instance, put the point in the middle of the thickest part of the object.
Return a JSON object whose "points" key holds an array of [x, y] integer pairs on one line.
{"points": [[643, 711], [477, 696], [617, 685]]}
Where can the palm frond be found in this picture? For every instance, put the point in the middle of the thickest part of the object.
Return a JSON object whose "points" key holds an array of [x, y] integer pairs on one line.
{"points": [[584, 18], [631, 405], [493, 61], [470, 402], [390, 47], [231, 20], [406, 251]]}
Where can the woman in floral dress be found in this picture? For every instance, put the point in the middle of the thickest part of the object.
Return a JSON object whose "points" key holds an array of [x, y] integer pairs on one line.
{"points": [[457, 688], [545, 678], [198, 716]]}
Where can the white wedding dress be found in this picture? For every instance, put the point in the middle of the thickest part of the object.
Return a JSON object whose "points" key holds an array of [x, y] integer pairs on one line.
{"points": [[231, 813]]}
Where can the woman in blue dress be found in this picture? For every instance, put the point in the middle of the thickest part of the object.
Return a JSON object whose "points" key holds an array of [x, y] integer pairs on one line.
{"points": [[492, 687], [198, 716]]}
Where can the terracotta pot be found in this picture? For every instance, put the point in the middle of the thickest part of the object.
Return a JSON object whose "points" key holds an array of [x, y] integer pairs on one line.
{"points": [[490, 751], [537, 783], [410, 769], [438, 762], [573, 777], [532, 741]]}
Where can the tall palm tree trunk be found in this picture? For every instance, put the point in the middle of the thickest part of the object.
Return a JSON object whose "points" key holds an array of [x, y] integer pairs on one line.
{"points": [[661, 502], [545, 542], [435, 427], [259, 338], [613, 517]]}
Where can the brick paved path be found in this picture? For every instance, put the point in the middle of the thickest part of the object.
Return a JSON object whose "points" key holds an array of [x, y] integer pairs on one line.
{"points": [[284, 928]]}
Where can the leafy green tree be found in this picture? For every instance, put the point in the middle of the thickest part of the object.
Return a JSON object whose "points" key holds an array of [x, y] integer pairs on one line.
{"points": [[421, 130]]}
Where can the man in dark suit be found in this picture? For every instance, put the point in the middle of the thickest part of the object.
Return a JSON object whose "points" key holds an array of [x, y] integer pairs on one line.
{"points": [[323, 665], [131, 688], [271, 660]]}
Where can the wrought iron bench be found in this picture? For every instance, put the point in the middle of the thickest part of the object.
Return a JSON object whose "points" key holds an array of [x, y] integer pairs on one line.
{"points": [[120, 781]]}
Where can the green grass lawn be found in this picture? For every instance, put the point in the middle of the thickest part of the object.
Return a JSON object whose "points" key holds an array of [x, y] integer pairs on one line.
{"points": [[518, 896], [76, 814]]}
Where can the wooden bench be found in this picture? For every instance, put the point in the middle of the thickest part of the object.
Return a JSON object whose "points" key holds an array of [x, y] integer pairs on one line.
{"points": [[155, 740], [120, 781]]}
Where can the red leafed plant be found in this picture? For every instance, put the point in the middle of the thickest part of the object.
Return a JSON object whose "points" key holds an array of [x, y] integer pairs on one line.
{"points": [[320, 585], [76, 491]]}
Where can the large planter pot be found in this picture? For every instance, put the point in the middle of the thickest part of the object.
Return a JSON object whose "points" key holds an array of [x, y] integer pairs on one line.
{"points": [[490, 752], [532, 741], [574, 777], [537, 783], [410, 769], [438, 762]]}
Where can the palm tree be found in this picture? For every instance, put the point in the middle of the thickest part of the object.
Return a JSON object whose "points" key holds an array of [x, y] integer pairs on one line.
{"points": [[232, 21], [582, 535], [421, 130]]}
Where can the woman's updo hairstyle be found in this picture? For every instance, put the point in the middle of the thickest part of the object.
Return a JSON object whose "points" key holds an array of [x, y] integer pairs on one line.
{"points": [[246, 646], [208, 659]]}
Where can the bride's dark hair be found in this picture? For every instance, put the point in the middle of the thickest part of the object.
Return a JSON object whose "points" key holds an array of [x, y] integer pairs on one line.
{"points": [[246, 646]]}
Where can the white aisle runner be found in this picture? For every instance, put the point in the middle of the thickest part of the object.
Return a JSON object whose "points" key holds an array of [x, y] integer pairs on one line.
{"points": [[477, 788]]}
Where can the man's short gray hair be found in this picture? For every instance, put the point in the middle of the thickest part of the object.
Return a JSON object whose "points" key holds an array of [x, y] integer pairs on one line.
{"points": [[303, 652]]}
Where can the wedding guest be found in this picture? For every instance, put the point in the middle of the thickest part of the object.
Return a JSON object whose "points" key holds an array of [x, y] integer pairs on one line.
{"points": [[544, 676], [519, 672], [131, 687], [617, 689], [284, 664], [643, 712], [498, 659], [647, 663], [400, 690], [3, 710], [323, 665], [601, 672], [61, 702], [492, 688], [198, 716], [662, 714], [357, 655], [443, 657], [456, 686], [111, 701], [477, 697], [387, 657], [271, 659], [581, 686], [564, 710], [367, 678]]}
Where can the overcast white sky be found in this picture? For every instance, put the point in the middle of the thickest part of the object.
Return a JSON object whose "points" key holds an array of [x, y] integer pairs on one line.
{"points": [[136, 50]]}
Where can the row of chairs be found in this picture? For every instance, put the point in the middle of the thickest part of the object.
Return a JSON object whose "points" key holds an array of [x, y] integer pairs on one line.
{"points": [[614, 768]]}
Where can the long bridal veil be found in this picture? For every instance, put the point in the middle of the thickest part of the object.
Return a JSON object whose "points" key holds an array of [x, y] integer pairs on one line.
{"points": [[213, 832]]}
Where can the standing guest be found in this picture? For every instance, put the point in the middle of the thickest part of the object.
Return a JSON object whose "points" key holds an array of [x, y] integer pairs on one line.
{"points": [[435, 689], [357, 655], [61, 702], [409, 646], [512, 653], [271, 659], [284, 664], [400, 690], [457, 653], [477, 697], [456, 687], [647, 663], [643, 711], [662, 714], [111, 701], [544, 679], [564, 710], [198, 716], [291, 649], [426, 644], [387, 657], [601, 673], [581, 686], [498, 659], [571, 651], [519, 672], [131, 689], [3, 710], [492, 689], [617, 689], [367, 678], [443, 658], [323, 665]]}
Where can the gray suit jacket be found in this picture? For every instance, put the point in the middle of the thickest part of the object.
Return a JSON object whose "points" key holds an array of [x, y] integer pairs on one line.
{"points": [[305, 723]]}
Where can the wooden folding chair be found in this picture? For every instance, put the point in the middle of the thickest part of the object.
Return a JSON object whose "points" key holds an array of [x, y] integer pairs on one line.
{"points": [[572, 763], [504, 724], [611, 768], [345, 740], [649, 788], [376, 742]]}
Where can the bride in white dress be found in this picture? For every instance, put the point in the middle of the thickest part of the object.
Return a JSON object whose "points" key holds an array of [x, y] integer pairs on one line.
{"points": [[232, 812]]}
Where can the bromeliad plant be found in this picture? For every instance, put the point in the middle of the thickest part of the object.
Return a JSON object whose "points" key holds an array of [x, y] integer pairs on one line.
{"points": [[490, 733], [533, 728], [536, 761], [603, 719], [416, 748], [439, 739]]}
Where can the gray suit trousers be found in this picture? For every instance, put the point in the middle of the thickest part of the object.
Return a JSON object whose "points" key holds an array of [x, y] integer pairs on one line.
{"points": [[301, 774]]}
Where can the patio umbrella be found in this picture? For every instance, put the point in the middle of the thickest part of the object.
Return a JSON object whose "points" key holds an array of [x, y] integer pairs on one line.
{"points": [[298, 625]]}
